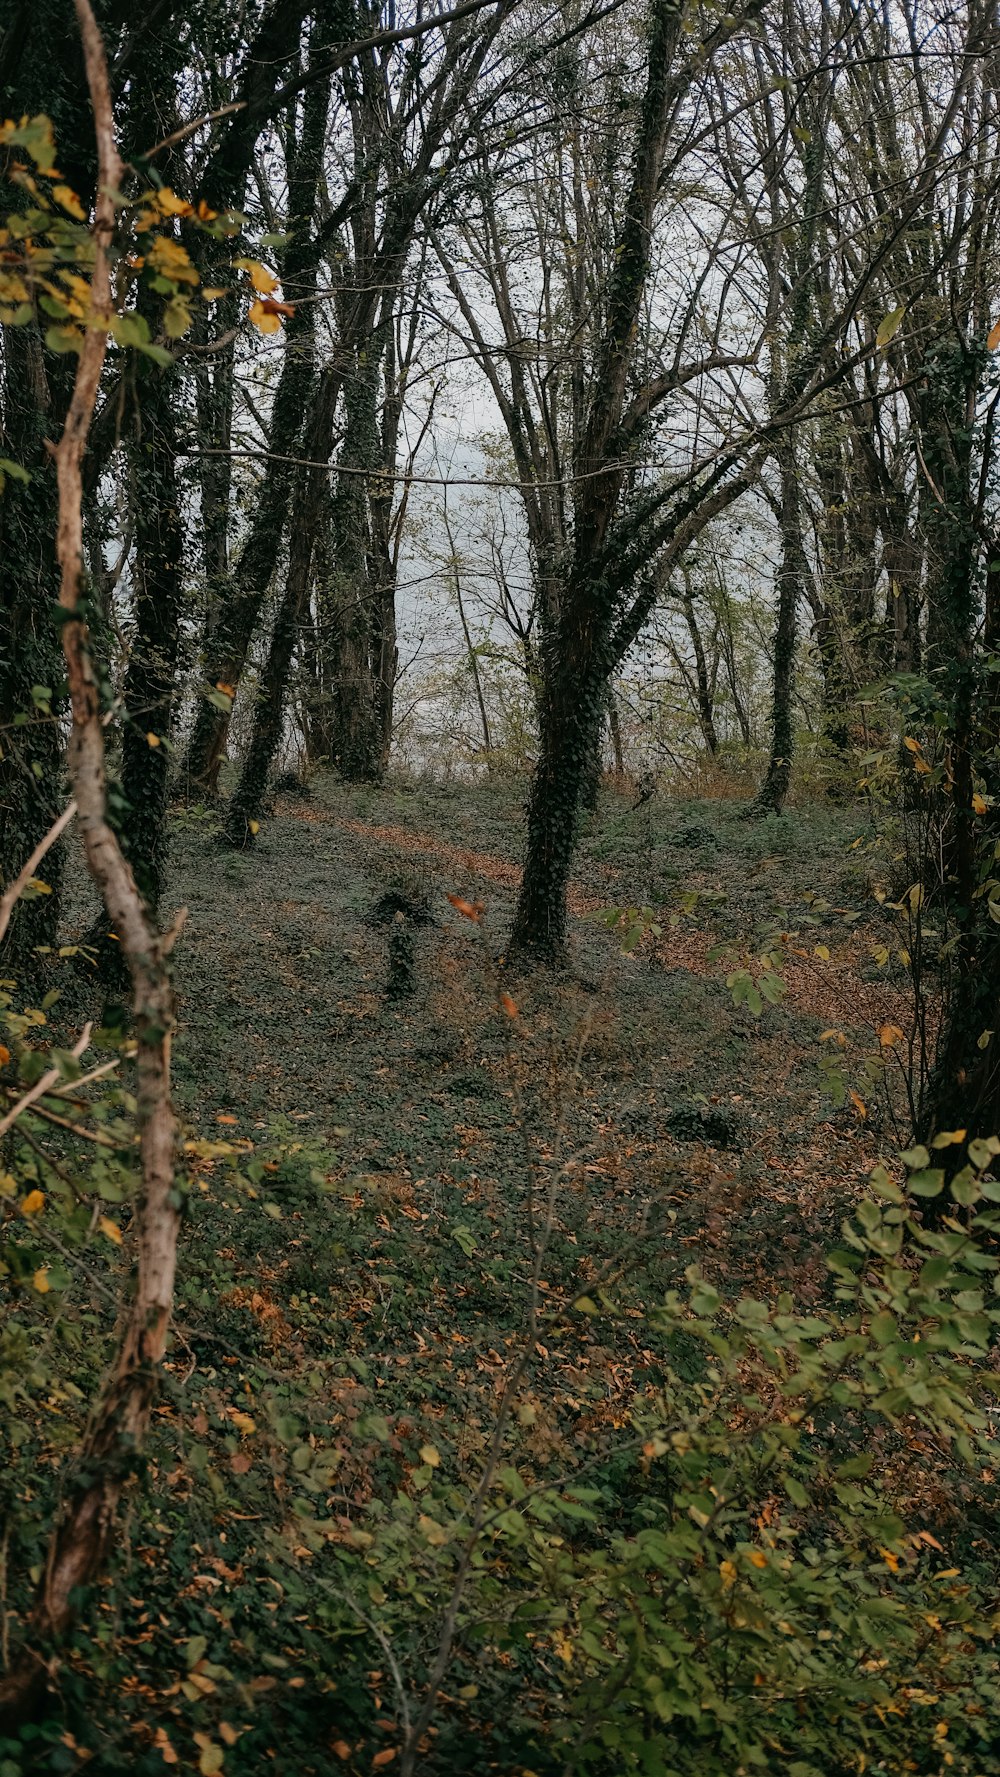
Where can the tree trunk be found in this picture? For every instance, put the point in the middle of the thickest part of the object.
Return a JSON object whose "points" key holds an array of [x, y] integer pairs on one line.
{"points": [[117, 1427], [352, 607], [269, 714], [706, 709], [30, 660], [572, 710], [232, 623], [962, 1090], [151, 677], [832, 667], [615, 728], [791, 581]]}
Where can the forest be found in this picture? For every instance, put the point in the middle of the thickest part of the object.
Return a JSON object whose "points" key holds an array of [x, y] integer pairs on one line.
{"points": [[500, 887]]}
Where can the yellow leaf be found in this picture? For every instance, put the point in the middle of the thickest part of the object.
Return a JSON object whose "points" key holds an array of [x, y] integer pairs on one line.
{"points": [[110, 1230], [170, 204], [4, 1055], [177, 318], [564, 1648], [823, 953], [341, 1748], [211, 1760], [858, 1103], [33, 1204], [727, 1573], [262, 320], [993, 337], [979, 803], [757, 1558], [508, 1005], [67, 199], [243, 1422], [8, 1184], [912, 745], [254, 826], [429, 1455], [229, 1734], [41, 1280], [152, 740], [385, 1757], [262, 280], [224, 1117], [891, 1560], [172, 261], [941, 1730], [435, 1533], [889, 1034], [948, 1573]]}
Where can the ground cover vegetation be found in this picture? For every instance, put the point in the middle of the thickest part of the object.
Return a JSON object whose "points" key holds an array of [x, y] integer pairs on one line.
{"points": [[499, 888]]}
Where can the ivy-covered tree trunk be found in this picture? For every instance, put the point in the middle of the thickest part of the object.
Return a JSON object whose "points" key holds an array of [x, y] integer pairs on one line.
{"points": [[792, 572], [346, 732], [833, 667], [41, 69], [963, 1086], [151, 675], [356, 599], [572, 710], [31, 670]]}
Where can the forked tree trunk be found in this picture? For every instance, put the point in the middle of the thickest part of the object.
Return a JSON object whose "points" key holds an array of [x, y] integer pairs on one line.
{"points": [[232, 623], [269, 713]]}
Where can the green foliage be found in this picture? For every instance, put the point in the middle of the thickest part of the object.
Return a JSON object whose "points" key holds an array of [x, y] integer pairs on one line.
{"points": [[633, 924], [717, 1579]]}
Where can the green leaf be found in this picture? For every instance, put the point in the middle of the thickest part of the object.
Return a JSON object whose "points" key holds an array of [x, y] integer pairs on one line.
{"points": [[63, 339], [965, 1188], [16, 470], [704, 1299], [915, 1158], [926, 1183], [889, 326], [130, 329], [159, 354]]}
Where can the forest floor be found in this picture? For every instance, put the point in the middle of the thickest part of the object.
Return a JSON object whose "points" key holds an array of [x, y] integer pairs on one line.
{"points": [[282, 974], [356, 1258]]}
